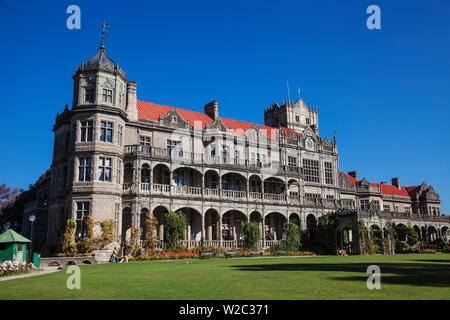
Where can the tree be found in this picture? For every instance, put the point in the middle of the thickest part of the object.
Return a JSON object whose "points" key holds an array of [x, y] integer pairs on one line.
{"points": [[8, 195], [150, 231], [252, 234], [292, 241], [327, 233], [411, 235], [174, 227], [67, 240]]}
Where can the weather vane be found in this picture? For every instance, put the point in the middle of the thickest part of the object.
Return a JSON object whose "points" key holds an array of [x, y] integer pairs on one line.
{"points": [[104, 31]]}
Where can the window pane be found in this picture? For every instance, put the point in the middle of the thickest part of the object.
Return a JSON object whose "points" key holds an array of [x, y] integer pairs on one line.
{"points": [[81, 175]]}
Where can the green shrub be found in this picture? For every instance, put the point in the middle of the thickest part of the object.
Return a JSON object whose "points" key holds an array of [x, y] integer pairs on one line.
{"points": [[251, 233], [292, 241], [174, 227]]}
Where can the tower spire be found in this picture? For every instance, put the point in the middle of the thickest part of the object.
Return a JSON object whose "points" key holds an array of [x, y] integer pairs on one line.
{"points": [[104, 31]]}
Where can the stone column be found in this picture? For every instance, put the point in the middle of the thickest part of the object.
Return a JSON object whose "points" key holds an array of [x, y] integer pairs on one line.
{"points": [[263, 229], [203, 227], [220, 229]]}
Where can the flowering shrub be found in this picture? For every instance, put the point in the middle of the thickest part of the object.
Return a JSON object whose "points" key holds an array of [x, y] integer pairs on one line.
{"points": [[276, 252], [427, 250], [205, 252], [10, 268]]}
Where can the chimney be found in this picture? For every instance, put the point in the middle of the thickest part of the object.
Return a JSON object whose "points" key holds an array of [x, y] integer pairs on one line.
{"points": [[212, 109], [353, 174], [131, 108], [396, 182]]}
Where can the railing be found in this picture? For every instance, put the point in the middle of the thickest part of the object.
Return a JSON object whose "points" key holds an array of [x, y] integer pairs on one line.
{"points": [[227, 244], [181, 156], [275, 197], [212, 193], [234, 194]]}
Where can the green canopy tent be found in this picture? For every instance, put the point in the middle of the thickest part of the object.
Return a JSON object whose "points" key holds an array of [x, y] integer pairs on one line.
{"points": [[13, 247]]}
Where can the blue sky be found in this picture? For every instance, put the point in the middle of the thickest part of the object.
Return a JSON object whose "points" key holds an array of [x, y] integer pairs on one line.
{"points": [[385, 92]]}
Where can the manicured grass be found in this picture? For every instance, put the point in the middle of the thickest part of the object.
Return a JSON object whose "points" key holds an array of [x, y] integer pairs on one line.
{"points": [[402, 277]]}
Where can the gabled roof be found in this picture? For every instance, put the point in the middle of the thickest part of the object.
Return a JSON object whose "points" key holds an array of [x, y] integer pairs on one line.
{"points": [[386, 189], [152, 111], [10, 236]]}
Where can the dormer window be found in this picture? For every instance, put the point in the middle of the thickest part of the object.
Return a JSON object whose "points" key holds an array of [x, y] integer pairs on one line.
{"points": [[174, 119], [107, 95], [89, 95]]}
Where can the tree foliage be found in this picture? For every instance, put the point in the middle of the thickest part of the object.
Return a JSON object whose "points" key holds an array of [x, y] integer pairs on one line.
{"points": [[251, 233], [150, 231], [327, 233], [293, 241], [411, 235], [174, 228], [67, 239]]}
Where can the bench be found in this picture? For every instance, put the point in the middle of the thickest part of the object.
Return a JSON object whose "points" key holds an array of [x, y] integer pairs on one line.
{"points": [[206, 254], [230, 253]]}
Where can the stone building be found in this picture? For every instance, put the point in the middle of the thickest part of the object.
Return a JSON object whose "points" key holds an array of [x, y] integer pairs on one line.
{"points": [[117, 158]]}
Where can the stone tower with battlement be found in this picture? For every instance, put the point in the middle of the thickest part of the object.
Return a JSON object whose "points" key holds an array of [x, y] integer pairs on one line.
{"points": [[296, 116]]}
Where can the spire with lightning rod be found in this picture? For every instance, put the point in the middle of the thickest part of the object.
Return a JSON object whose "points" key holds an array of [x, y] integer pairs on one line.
{"points": [[104, 31]]}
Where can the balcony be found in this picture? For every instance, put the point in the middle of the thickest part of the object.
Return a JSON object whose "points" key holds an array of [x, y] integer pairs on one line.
{"points": [[184, 157], [207, 193]]}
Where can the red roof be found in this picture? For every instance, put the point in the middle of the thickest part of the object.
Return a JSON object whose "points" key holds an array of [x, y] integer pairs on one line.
{"points": [[412, 190], [152, 111], [386, 189]]}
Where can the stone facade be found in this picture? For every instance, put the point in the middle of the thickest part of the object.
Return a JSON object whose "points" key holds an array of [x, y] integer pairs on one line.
{"points": [[117, 158]]}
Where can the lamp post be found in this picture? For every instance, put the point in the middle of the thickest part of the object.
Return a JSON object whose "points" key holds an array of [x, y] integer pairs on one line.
{"points": [[32, 218]]}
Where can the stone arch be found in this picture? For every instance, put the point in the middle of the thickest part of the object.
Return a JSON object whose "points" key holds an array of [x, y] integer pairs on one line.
{"points": [[256, 216], [400, 229], [423, 232], [128, 173], [294, 217], [231, 224], [145, 173], [187, 176], [274, 226], [193, 223], [444, 233], [212, 220], [233, 181], [161, 174], [255, 183], [376, 231], [126, 225], [159, 213], [143, 217], [345, 239], [432, 233], [87, 262], [212, 179], [274, 185]]}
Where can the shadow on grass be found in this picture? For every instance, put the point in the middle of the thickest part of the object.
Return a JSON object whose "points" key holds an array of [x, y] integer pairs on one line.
{"points": [[438, 261], [416, 274]]}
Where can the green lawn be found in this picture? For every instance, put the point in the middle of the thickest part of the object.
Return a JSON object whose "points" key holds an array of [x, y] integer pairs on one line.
{"points": [[410, 276]]}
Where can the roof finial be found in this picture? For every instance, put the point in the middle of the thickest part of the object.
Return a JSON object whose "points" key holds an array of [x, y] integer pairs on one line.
{"points": [[104, 31]]}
